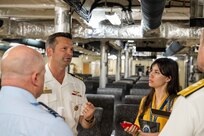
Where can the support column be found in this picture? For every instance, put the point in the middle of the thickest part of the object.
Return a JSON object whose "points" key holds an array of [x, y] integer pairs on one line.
{"points": [[62, 18], [126, 61], [187, 70], [103, 65], [130, 66], [118, 66]]}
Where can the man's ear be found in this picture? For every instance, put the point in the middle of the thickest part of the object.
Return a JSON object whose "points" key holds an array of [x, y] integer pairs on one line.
{"points": [[34, 79], [49, 52]]}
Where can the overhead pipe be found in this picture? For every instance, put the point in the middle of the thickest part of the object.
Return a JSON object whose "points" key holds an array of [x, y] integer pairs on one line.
{"points": [[152, 13], [129, 18], [62, 18], [173, 48], [28, 6], [79, 9], [43, 30], [108, 4], [129, 10]]}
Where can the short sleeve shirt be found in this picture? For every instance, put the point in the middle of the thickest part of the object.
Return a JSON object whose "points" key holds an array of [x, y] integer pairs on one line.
{"points": [[68, 98], [187, 116], [21, 116], [146, 116]]}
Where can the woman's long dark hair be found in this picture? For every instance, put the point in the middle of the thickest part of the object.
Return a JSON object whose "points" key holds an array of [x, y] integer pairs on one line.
{"points": [[168, 68]]}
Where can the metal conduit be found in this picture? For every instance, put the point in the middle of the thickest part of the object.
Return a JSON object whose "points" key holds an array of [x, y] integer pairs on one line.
{"points": [[152, 13]]}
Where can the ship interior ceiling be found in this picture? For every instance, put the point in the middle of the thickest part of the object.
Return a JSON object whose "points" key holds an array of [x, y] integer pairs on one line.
{"points": [[173, 27]]}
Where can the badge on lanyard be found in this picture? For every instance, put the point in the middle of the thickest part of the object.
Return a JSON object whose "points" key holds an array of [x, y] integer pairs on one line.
{"points": [[149, 126], [146, 129]]}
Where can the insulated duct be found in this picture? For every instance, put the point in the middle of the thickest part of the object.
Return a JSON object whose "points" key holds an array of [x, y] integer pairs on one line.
{"points": [[152, 13], [41, 29], [173, 48]]}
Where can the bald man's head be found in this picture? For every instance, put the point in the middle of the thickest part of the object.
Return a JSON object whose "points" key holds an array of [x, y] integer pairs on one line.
{"points": [[18, 65], [20, 60]]}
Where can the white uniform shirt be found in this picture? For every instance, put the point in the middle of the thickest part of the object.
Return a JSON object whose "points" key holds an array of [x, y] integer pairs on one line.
{"points": [[20, 115], [187, 117], [67, 99]]}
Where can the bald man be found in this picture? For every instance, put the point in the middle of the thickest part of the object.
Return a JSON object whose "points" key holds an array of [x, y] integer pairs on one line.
{"points": [[23, 70]]}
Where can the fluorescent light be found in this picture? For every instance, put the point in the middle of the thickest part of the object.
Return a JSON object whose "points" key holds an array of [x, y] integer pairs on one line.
{"points": [[131, 41], [113, 57], [113, 18]]}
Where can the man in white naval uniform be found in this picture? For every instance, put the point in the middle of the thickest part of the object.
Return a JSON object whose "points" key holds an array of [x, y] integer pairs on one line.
{"points": [[65, 93], [187, 117]]}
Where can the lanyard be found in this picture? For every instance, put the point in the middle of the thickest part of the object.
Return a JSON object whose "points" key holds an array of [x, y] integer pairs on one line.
{"points": [[51, 111], [162, 106]]}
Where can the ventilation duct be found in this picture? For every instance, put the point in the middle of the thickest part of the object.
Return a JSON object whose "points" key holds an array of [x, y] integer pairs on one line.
{"points": [[42, 29], [152, 13], [173, 48]]}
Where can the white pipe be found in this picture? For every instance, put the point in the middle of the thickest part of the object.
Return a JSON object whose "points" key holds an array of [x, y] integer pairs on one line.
{"points": [[28, 6]]}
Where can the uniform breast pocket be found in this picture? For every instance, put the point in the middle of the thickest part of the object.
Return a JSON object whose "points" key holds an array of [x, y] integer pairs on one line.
{"points": [[77, 107], [52, 101]]}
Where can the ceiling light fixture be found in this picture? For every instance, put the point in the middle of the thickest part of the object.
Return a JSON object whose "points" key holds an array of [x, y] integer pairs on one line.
{"points": [[113, 18]]}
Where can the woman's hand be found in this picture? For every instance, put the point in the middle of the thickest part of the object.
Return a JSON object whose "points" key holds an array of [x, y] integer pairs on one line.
{"points": [[133, 129]]}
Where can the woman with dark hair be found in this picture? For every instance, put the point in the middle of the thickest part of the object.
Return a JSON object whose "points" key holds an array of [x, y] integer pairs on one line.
{"points": [[164, 82]]}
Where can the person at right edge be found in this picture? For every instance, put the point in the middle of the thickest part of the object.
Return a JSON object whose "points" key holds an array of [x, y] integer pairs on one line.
{"points": [[187, 117], [22, 73], [164, 83]]}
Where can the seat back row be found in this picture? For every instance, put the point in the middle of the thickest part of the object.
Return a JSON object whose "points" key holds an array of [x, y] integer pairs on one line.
{"points": [[108, 117]]}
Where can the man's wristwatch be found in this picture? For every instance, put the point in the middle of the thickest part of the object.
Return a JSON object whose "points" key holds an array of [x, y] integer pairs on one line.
{"points": [[90, 120]]}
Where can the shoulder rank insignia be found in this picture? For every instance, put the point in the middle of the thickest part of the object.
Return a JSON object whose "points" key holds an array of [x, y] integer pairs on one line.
{"points": [[46, 90], [192, 88], [76, 76]]}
